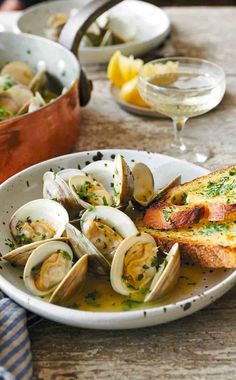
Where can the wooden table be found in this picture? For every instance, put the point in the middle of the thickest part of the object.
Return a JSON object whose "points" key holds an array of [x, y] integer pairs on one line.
{"points": [[202, 346]]}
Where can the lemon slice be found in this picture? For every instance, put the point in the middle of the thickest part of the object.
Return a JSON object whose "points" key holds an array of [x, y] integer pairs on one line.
{"points": [[122, 69], [130, 93], [113, 70]]}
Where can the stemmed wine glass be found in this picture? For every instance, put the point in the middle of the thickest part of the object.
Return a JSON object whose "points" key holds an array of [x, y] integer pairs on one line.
{"points": [[182, 88]]}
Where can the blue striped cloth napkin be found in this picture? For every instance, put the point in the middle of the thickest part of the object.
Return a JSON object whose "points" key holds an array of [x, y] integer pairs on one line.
{"points": [[15, 351]]}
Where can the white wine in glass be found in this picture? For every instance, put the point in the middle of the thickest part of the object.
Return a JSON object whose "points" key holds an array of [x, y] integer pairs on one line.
{"points": [[182, 88]]}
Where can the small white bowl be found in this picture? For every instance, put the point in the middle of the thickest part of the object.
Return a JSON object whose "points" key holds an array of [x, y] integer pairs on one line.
{"points": [[152, 25]]}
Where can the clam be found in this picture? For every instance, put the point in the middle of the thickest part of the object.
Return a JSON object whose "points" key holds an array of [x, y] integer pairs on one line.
{"points": [[55, 25], [107, 39], [123, 182], [47, 266], [143, 184], [38, 81], [8, 105], [115, 176], [72, 283], [136, 270], [99, 183], [33, 224], [106, 227], [35, 103], [144, 193], [102, 171], [21, 94], [55, 186], [89, 191], [122, 28], [82, 246], [18, 71], [6, 82], [20, 255]]}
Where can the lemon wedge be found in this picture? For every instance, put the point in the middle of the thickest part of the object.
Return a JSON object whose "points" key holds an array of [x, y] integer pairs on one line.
{"points": [[122, 69], [130, 93]]}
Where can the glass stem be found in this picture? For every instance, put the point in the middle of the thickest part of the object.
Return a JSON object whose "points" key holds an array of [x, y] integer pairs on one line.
{"points": [[179, 125]]}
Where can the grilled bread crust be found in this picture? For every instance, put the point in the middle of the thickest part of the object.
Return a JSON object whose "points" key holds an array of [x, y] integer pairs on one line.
{"points": [[206, 254], [171, 212]]}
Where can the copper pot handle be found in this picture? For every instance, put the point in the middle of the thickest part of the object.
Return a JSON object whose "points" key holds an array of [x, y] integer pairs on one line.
{"points": [[73, 32]]}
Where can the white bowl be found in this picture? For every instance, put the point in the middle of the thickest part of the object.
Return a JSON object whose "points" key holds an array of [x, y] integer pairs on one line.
{"points": [[27, 186], [152, 24]]}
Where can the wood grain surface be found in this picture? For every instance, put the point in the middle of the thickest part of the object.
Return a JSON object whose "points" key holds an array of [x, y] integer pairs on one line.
{"points": [[202, 346]]}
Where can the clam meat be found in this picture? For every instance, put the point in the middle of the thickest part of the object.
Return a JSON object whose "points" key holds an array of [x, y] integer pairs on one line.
{"points": [[106, 227], [137, 271], [47, 267], [33, 224]]}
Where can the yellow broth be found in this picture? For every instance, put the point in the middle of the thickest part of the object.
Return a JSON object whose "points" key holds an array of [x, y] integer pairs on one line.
{"points": [[98, 295]]}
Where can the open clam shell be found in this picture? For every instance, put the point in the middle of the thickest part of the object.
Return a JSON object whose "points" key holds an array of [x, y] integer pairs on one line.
{"points": [[176, 181], [167, 275], [123, 182], [82, 246], [21, 94], [8, 104], [89, 191], [33, 223], [47, 266], [143, 184], [38, 81], [72, 283], [106, 227], [144, 194], [55, 186], [19, 71], [20, 255], [103, 172], [135, 268]]}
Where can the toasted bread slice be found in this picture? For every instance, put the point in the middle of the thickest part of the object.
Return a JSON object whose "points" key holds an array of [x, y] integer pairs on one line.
{"points": [[210, 244], [211, 197]]}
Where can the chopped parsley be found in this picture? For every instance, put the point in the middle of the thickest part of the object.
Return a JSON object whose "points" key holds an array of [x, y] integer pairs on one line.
{"points": [[4, 112], [23, 238], [166, 213], [219, 188], [104, 201], [232, 172], [130, 304], [83, 191], [155, 262], [183, 199], [65, 254], [8, 83], [214, 228], [91, 208], [92, 297]]}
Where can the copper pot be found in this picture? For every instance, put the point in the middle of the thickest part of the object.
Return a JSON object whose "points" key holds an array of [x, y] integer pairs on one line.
{"points": [[53, 129]]}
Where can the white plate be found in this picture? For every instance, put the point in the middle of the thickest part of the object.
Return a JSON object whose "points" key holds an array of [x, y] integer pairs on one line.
{"points": [[27, 185], [131, 108], [152, 23]]}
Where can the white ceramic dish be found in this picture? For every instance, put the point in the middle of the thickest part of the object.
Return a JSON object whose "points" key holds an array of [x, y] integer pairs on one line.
{"points": [[27, 186], [152, 23]]}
